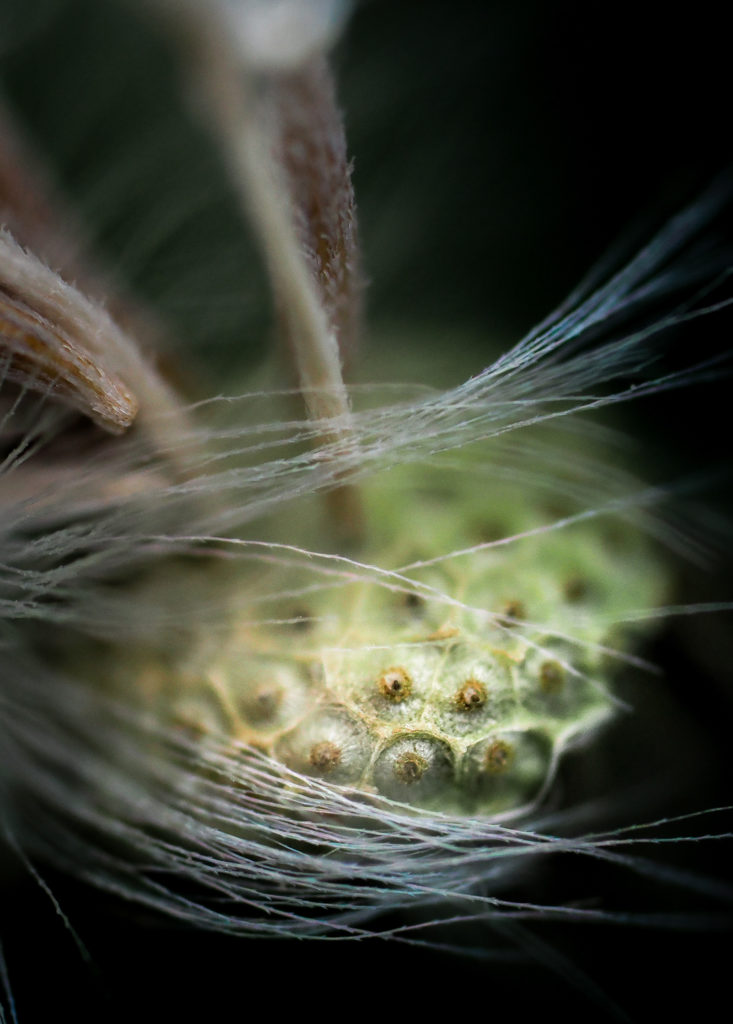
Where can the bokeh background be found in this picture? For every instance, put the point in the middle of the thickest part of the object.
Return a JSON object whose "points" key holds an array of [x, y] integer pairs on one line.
{"points": [[499, 149]]}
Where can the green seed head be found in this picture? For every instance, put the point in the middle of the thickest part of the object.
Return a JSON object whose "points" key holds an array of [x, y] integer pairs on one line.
{"points": [[455, 683]]}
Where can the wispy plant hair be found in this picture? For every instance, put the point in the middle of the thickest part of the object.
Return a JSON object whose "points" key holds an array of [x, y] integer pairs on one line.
{"points": [[142, 543]]}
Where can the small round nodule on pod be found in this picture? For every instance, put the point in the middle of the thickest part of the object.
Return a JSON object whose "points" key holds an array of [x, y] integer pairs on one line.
{"points": [[301, 620], [471, 696], [499, 756], [395, 684], [329, 742], [325, 756], [414, 768], [508, 769], [261, 705], [552, 676], [414, 604], [270, 696], [576, 589], [512, 613]]}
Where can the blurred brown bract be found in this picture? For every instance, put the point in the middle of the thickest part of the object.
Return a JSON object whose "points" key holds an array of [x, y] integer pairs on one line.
{"points": [[310, 147], [51, 349], [52, 337]]}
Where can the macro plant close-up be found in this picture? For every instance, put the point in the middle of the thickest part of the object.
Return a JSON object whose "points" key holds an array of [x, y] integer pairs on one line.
{"points": [[364, 507]]}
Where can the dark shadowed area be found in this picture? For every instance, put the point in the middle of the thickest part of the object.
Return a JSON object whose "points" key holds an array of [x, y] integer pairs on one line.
{"points": [[499, 150]]}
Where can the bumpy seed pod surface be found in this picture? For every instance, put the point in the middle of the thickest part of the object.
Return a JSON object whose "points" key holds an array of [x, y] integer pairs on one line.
{"points": [[448, 664]]}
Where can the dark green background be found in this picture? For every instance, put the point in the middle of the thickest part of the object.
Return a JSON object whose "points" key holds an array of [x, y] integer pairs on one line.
{"points": [[499, 149]]}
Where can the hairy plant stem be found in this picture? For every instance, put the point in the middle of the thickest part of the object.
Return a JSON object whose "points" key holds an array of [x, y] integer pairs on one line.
{"points": [[232, 95]]}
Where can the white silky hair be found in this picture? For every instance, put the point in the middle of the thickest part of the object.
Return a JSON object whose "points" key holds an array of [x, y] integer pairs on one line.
{"points": [[232, 818], [224, 838], [546, 378]]}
